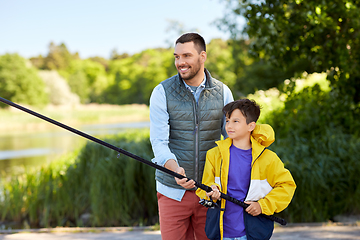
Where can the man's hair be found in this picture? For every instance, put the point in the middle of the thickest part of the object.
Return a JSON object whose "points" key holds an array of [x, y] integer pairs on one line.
{"points": [[249, 108], [198, 41]]}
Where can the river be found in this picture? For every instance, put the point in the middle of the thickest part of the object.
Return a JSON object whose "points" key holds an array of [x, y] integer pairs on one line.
{"points": [[21, 151]]}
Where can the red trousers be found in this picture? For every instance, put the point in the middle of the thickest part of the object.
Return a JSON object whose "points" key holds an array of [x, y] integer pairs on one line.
{"points": [[183, 220]]}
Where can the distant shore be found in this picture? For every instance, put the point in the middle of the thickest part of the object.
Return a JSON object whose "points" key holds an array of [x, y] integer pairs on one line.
{"points": [[14, 120]]}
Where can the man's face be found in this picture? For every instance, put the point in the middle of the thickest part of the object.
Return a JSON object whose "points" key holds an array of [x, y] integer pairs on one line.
{"points": [[188, 61]]}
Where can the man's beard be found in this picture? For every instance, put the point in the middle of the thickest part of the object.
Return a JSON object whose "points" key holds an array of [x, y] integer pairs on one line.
{"points": [[194, 70]]}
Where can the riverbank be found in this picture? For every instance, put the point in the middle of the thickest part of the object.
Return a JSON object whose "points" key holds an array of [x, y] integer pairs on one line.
{"points": [[14, 120]]}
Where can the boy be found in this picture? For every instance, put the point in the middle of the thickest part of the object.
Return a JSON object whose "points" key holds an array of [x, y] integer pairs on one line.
{"points": [[241, 167]]}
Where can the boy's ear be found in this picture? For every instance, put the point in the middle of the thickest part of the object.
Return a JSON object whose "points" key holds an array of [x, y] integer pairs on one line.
{"points": [[251, 126]]}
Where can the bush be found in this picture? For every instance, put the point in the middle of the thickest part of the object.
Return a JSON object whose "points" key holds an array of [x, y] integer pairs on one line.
{"points": [[326, 170], [318, 140], [58, 89], [19, 81], [95, 188]]}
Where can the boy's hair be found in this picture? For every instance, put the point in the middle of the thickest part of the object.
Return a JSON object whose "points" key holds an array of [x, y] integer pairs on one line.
{"points": [[249, 108], [198, 41]]}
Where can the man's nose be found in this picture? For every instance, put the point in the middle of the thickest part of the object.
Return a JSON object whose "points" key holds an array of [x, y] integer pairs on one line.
{"points": [[180, 61]]}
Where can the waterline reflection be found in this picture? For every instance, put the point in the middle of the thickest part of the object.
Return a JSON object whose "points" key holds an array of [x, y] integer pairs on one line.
{"points": [[21, 151]]}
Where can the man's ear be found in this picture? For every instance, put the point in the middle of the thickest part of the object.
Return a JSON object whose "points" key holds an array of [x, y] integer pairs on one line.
{"points": [[251, 126], [203, 56]]}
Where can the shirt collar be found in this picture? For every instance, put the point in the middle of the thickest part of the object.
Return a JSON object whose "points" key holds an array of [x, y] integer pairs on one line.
{"points": [[202, 84]]}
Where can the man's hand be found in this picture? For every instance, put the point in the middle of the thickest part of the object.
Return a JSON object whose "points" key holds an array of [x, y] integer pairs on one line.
{"points": [[173, 166], [184, 182], [253, 209]]}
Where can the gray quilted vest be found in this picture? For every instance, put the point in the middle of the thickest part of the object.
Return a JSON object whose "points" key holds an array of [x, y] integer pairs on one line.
{"points": [[194, 128]]}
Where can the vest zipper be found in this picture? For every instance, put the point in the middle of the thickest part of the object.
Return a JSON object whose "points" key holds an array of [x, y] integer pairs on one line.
{"points": [[196, 132]]}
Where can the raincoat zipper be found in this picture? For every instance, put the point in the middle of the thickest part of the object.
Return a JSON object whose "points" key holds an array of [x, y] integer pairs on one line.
{"points": [[252, 168]]}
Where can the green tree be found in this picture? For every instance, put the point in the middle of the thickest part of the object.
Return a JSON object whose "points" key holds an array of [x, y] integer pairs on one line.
{"points": [[135, 77], [116, 56], [252, 74], [320, 146], [88, 79], [58, 57], [220, 62], [101, 60], [315, 36], [19, 82], [317, 130]]}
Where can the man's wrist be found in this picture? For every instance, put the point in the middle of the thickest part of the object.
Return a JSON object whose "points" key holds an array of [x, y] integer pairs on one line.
{"points": [[171, 164]]}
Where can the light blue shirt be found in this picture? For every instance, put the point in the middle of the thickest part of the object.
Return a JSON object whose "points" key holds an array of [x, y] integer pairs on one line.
{"points": [[159, 131]]}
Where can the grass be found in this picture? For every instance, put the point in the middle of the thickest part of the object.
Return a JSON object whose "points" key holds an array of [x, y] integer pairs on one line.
{"points": [[86, 181], [111, 190]]}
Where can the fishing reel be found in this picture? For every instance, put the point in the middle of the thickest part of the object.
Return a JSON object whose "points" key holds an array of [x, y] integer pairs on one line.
{"points": [[210, 204]]}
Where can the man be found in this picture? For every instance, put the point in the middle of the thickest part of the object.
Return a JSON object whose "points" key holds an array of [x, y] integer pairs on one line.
{"points": [[186, 119]]}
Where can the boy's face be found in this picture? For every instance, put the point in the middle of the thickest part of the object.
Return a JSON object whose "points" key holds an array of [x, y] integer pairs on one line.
{"points": [[236, 126]]}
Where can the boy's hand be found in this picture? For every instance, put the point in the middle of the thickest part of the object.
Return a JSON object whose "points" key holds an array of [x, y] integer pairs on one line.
{"points": [[253, 209], [215, 193]]}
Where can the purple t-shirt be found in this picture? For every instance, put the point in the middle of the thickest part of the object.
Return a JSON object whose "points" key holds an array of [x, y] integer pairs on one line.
{"points": [[238, 185]]}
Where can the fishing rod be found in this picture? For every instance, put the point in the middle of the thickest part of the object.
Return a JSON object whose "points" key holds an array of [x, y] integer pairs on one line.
{"points": [[149, 163]]}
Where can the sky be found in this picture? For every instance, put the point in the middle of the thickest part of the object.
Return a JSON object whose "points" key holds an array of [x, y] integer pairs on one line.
{"points": [[96, 28]]}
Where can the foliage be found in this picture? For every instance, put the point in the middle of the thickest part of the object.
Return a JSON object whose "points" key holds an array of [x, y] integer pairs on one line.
{"points": [[317, 129], [312, 36], [19, 82], [251, 74], [319, 145], [136, 76], [310, 110], [326, 170], [58, 89], [220, 62], [88, 79], [58, 58], [273, 100], [95, 188], [125, 78], [101, 60]]}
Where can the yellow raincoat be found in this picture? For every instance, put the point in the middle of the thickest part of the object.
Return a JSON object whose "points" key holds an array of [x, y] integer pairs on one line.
{"points": [[271, 184]]}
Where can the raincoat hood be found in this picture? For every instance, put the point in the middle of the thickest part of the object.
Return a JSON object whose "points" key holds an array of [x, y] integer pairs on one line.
{"points": [[263, 134]]}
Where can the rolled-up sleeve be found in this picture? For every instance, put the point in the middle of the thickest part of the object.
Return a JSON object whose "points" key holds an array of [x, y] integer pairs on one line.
{"points": [[159, 127]]}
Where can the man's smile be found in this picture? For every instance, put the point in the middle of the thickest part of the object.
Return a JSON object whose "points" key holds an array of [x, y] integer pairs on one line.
{"points": [[184, 69]]}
